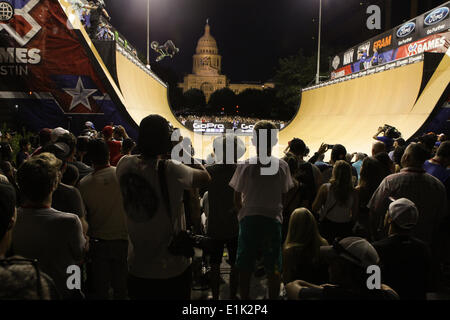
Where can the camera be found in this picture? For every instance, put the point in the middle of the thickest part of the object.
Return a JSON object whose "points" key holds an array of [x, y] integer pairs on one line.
{"points": [[306, 151], [391, 132], [330, 146], [184, 242]]}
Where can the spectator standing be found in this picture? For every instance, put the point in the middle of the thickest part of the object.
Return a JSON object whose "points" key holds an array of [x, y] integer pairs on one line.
{"points": [[66, 198], [372, 173], [107, 225], [306, 172], [378, 147], [400, 249], [223, 225], [337, 203], [259, 198], [427, 193], [413, 183], [358, 163], [77, 161], [114, 146], [20, 279], [438, 166], [386, 138], [53, 237], [24, 152], [127, 147], [44, 138], [153, 219]]}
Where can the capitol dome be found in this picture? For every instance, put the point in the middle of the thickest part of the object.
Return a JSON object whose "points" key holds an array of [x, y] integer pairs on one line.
{"points": [[207, 44]]}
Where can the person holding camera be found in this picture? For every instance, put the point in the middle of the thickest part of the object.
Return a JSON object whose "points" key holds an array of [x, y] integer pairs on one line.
{"points": [[152, 190], [388, 136], [338, 152]]}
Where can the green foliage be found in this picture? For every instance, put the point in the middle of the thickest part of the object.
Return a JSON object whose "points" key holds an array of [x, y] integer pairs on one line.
{"points": [[257, 103], [14, 138], [194, 99], [293, 74]]}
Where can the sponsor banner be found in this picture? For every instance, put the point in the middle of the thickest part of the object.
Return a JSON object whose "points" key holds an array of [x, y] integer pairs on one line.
{"points": [[216, 128], [375, 69], [436, 21], [406, 33], [438, 43], [384, 48]]}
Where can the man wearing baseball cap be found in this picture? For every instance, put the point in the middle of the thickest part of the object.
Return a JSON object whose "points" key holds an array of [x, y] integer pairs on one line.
{"points": [[348, 261], [405, 260]]}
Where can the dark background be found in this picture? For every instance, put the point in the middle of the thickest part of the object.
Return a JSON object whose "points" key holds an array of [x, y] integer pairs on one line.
{"points": [[252, 35]]}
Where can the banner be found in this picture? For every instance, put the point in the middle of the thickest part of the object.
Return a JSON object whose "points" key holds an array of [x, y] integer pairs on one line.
{"points": [[216, 128], [48, 73], [426, 33]]}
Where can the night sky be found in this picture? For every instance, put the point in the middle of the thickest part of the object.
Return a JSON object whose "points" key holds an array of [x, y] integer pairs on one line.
{"points": [[251, 35]]}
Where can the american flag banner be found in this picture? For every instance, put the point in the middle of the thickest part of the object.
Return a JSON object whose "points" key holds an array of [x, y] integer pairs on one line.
{"points": [[48, 72]]}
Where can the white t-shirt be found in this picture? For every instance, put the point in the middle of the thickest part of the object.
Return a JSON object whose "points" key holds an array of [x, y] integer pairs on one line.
{"points": [[262, 194], [52, 237], [105, 214], [149, 256]]}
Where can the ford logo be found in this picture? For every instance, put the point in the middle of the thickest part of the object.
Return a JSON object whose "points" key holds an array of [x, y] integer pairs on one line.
{"points": [[406, 29], [436, 16]]}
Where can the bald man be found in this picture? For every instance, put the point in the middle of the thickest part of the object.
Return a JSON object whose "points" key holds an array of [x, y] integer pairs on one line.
{"points": [[378, 147]]}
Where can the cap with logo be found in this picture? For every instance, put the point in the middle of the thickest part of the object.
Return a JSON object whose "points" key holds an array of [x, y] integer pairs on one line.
{"points": [[404, 213], [89, 124]]}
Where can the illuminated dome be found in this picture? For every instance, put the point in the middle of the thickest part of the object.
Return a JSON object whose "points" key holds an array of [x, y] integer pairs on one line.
{"points": [[207, 44]]}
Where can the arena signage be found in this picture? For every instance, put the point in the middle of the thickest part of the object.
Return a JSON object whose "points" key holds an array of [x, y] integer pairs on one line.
{"points": [[6, 11], [436, 16], [406, 29], [387, 66], [390, 46]]}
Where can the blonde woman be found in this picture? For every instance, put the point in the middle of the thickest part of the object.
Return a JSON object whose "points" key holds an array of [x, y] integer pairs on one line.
{"points": [[301, 249], [337, 203]]}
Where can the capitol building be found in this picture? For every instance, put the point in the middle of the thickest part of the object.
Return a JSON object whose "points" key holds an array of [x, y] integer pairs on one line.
{"points": [[206, 70]]}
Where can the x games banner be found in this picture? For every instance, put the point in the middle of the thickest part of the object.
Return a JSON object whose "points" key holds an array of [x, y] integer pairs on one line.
{"points": [[426, 33], [46, 73]]}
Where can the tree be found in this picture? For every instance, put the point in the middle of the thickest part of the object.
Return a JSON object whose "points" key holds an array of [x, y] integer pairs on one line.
{"points": [[295, 73], [224, 98], [256, 103], [194, 99]]}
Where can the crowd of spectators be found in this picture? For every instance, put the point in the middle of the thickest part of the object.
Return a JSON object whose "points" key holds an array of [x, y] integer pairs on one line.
{"points": [[131, 219]]}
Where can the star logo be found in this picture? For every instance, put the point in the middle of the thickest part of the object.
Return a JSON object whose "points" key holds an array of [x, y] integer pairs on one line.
{"points": [[22, 27], [80, 95]]}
